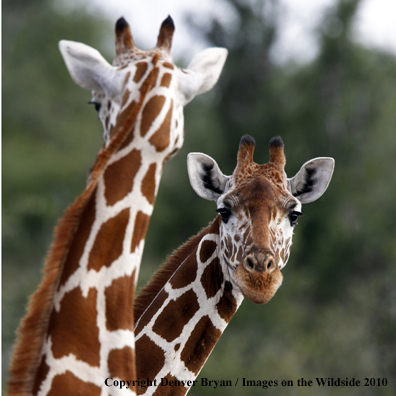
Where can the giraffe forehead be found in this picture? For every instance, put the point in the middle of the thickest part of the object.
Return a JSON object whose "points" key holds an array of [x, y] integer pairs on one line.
{"points": [[251, 171], [137, 55], [138, 70], [158, 76], [257, 193]]}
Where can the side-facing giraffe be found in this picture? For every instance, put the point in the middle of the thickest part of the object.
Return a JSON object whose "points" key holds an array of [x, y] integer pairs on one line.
{"points": [[181, 313], [79, 325]]}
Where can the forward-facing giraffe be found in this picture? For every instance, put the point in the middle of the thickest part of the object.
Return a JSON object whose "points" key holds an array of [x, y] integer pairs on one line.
{"points": [[184, 309], [79, 325]]}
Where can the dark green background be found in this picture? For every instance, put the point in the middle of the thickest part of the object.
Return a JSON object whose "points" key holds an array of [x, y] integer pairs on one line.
{"points": [[335, 314]]}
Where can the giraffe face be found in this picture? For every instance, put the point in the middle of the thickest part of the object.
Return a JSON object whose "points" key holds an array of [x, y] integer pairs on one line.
{"points": [[255, 235], [162, 109], [259, 208], [118, 89]]}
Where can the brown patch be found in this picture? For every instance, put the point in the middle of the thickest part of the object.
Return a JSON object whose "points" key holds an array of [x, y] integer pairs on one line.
{"points": [[121, 363], [201, 342], [186, 253], [232, 246], [120, 176], [131, 134], [139, 232], [141, 68], [148, 184], [127, 93], [185, 274], [109, 240], [119, 303], [212, 278], [73, 329], [176, 315], [120, 120], [239, 254], [150, 358], [69, 384], [177, 347], [166, 80], [127, 76], [155, 75], [154, 307], [41, 375], [174, 387], [78, 244], [227, 305], [168, 65], [123, 117], [150, 112], [207, 250], [161, 138]]}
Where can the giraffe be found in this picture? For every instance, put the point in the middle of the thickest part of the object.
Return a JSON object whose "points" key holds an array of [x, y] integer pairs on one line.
{"points": [[181, 313], [79, 324]]}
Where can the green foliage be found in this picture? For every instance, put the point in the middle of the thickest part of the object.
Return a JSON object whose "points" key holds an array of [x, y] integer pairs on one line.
{"points": [[335, 315]]}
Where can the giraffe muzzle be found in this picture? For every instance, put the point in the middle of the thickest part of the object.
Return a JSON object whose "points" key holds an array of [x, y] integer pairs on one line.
{"points": [[259, 262]]}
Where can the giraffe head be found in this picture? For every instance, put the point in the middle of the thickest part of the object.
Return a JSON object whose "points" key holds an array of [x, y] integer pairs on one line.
{"points": [[117, 88], [259, 207]]}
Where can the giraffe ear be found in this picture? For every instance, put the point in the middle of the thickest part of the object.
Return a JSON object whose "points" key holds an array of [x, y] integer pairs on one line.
{"points": [[89, 69], [202, 73], [206, 178], [312, 179]]}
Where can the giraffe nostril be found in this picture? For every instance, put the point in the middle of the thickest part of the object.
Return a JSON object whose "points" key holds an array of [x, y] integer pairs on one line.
{"points": [[269, 265], [250, 264]]}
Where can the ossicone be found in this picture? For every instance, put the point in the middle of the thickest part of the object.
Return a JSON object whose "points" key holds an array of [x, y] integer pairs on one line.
{"points": [[165, 35], [246, 150], [124, 40], [276, 149]]}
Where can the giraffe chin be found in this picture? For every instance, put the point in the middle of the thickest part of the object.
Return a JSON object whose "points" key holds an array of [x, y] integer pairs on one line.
{"points": [[258, 287]]}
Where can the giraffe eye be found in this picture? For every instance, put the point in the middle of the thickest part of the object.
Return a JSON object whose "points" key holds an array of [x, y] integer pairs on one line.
{"points": [[224, 213], [293, 216]]}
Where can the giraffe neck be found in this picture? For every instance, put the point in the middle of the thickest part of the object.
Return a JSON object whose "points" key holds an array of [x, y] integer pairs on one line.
{"points": [[182, 312], [85, 331]]}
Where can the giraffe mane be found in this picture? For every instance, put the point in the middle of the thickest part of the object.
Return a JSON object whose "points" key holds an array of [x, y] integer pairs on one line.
{"points": [[30, 334], [164, 273]]}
